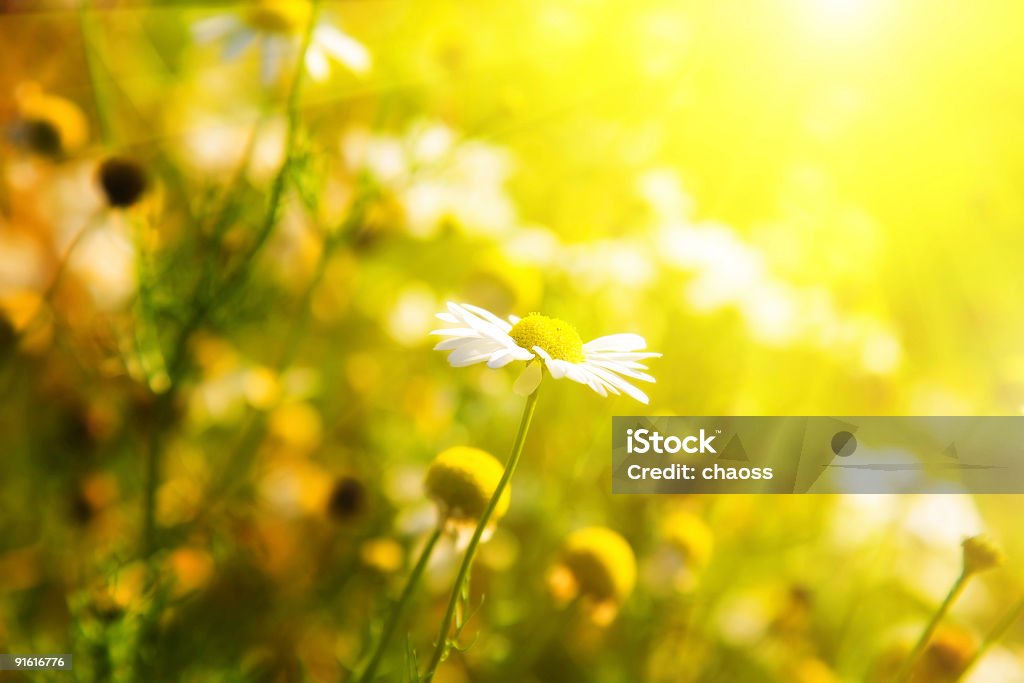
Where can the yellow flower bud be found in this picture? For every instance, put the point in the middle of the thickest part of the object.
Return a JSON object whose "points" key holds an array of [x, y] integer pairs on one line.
{"points": [[944, 660], [597, 564], [461, 480], [946, 657], [812, 670], [384, 555], [51, 125], [688, 534], [279, 16], [981, 553]]}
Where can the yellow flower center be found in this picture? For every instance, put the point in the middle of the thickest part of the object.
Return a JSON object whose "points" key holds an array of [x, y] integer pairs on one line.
{"points": [[555, 336], [278, 16]]}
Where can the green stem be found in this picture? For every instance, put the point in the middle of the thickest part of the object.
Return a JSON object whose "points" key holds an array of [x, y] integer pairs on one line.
{"points": [[151, 483], [178, 357], [993, 637], [90, 41], [235, 278], [929, 630], [277, 189], [396, 612], [218, 492], [441, 647]]}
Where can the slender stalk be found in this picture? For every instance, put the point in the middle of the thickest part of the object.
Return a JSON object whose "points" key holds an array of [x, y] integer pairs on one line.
{"points": [[994, 636], [441, 647], [218, 492], [235, 278], [396, 612], [178, 357], [238, 277], [90, 41], [929, 630]]}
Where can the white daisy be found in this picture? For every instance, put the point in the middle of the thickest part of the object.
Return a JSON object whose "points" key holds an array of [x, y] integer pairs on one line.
{"points": [[479, 336], [278, 26]]}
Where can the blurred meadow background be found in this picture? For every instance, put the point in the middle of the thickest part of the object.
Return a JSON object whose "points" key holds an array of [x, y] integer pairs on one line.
{"points": [[219, 268]]}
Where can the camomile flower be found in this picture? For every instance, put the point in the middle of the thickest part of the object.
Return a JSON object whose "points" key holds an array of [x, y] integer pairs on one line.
{"points": [[278, 26], [603, 364], [598, 565], [461, 480], [48, 124]]}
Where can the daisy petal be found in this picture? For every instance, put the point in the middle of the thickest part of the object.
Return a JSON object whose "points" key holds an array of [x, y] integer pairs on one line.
{"points": [[528, 380], [557, 368], [213, 28], [489, 317], [619, 383], [485, 328], [500, 359], [456, 332], [452, 343], [616, 342], [599, 387], [619, 369], [466, 361], [316, 63], [583, 375], [632, 365], [620, 356], [344, 48], [236, 44], [274, 51], [471, 353]]}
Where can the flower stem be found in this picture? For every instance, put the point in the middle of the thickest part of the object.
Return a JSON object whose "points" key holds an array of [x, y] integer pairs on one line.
{"points": [[238, 277], [178, 356], [993, 637], [90, 45], [396, 612], [926, 635], [441, 647]]}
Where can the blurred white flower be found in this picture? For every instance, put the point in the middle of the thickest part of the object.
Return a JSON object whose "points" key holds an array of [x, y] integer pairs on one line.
{"points": [[661, 189], [93, 244], [104, 259], [534, 245], [620, 264], [383, 157], [727, 271], [277, 25], [882, 351], [218, 143], [22, 261], [918, 535], [412, 315], [1000, 664], [601, 364], [437, 179]]}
